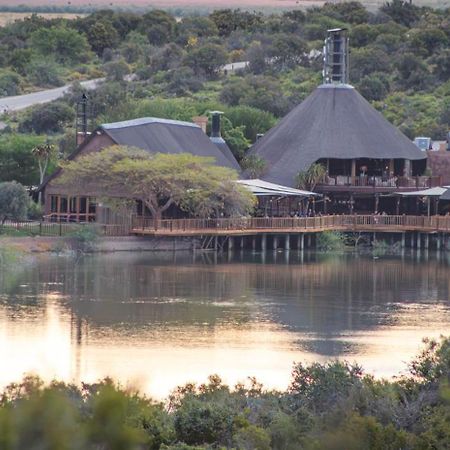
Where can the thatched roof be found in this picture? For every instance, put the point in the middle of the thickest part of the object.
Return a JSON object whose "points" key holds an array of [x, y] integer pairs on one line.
{"points": [[168, 136], [335, 121]]}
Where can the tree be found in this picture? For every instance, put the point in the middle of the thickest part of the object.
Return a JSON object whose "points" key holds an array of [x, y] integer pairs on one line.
{"points": [[207, 59], [159, 26], [116, 70], [253, 166], [254, 121], [44, 73], [47, 118], [64, 44], [14, 201], [9, 83], [308, 179], [287, 50], [17, 162], [200, 27], [102, 35], [43, 153], [401, 11], [372, 87], [192, 183], [365, 61]]}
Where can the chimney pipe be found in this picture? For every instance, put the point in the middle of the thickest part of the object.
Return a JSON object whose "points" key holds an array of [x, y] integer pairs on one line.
{"points": [[335, 59], [215, 124], [82, 120]]}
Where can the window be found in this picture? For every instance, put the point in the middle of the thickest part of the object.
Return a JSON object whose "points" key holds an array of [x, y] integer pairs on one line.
{"points": [[54, 203], [63, 205]]}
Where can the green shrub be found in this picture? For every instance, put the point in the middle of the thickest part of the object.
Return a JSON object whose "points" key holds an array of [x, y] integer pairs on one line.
{"points": [[85, 237], [330, 240]]}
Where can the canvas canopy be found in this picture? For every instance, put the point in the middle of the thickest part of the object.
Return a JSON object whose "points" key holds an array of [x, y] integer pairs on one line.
{"points": [[264, 188], [432, 192]]}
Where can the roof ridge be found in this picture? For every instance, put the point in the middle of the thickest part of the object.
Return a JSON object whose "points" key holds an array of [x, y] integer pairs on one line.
{"points": [[146, 121]]}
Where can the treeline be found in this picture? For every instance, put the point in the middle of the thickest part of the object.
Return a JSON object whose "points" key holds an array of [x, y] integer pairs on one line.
{"points": [[333, 406], [156, 64]]}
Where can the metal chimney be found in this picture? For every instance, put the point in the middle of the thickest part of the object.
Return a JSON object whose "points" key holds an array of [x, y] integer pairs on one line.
{"points": [[82, 121], [335, 69], [215, 124]]}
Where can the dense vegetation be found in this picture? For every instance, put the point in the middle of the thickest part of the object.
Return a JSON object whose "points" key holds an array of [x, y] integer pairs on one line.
{"points": [[330, 406], [400, 61]]}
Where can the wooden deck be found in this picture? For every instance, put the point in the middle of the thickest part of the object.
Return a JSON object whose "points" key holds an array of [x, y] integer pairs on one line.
{"points": [[255, 225]]}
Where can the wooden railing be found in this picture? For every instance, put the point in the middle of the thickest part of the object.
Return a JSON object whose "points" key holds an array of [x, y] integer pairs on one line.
{"points": [[287, 224], [421, 182], [43, 228]]}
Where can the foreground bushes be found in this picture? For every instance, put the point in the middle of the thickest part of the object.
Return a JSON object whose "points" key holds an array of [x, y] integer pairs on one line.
{"points": [[331, 406]]}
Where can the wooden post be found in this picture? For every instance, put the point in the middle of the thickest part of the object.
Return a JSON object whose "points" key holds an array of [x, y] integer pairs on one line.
{"points": [[230, 243], [287, 243], [438, 241], [377, 202], [242, 242], [353, 174], [427, 240], [301, 241], [351, 203], [275, 242], [403, 244], [263, 242], [397, 206], [309, 241]]}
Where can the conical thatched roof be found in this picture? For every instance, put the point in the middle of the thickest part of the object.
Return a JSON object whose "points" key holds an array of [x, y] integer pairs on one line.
{"points": [[335, 121]]}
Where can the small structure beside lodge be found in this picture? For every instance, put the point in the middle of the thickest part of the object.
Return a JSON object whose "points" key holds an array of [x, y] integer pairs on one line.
{"points": [[366, 158]]}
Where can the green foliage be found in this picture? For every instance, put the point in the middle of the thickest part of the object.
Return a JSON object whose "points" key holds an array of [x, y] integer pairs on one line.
{"points": [[16, 158], [116, 70], [45, 73], [64, 44], [330, 241], [193, 183], [254, 121], [327, 406], [14, 201], [207, 59], [253, 166], [159, 26], [308, 179], [35, 211], [10, 83], [85, 238], [47, 118]]}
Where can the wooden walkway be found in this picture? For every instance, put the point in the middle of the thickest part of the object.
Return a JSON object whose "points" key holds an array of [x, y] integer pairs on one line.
{"points": [[256, 225]]}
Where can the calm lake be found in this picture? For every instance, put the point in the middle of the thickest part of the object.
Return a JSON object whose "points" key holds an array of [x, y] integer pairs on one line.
{"points": [[158, 321]]}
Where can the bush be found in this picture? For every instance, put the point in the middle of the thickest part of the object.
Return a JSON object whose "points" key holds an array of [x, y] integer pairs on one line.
{"points": [[47, 118], [35, 211], [330, 240], [45, 73], [10, 83], [85, 238], [14, 201]]}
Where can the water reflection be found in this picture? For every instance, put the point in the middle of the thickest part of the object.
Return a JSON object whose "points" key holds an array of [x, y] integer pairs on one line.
{"points": [[164, 320]]}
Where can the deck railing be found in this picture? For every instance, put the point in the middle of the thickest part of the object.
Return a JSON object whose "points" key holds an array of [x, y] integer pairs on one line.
{"points": [[421, 182], [273, 224]]}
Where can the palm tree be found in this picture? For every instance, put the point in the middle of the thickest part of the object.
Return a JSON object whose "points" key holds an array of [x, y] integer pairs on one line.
{"points": [[43, 153], [308, 179]]}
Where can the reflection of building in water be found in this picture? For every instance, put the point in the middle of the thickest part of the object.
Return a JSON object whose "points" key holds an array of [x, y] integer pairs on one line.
{"points": [[322, 298]]}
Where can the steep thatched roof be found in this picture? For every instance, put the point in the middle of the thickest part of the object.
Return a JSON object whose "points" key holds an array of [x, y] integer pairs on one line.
{"points": [[335, 121], [168, 136]]}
